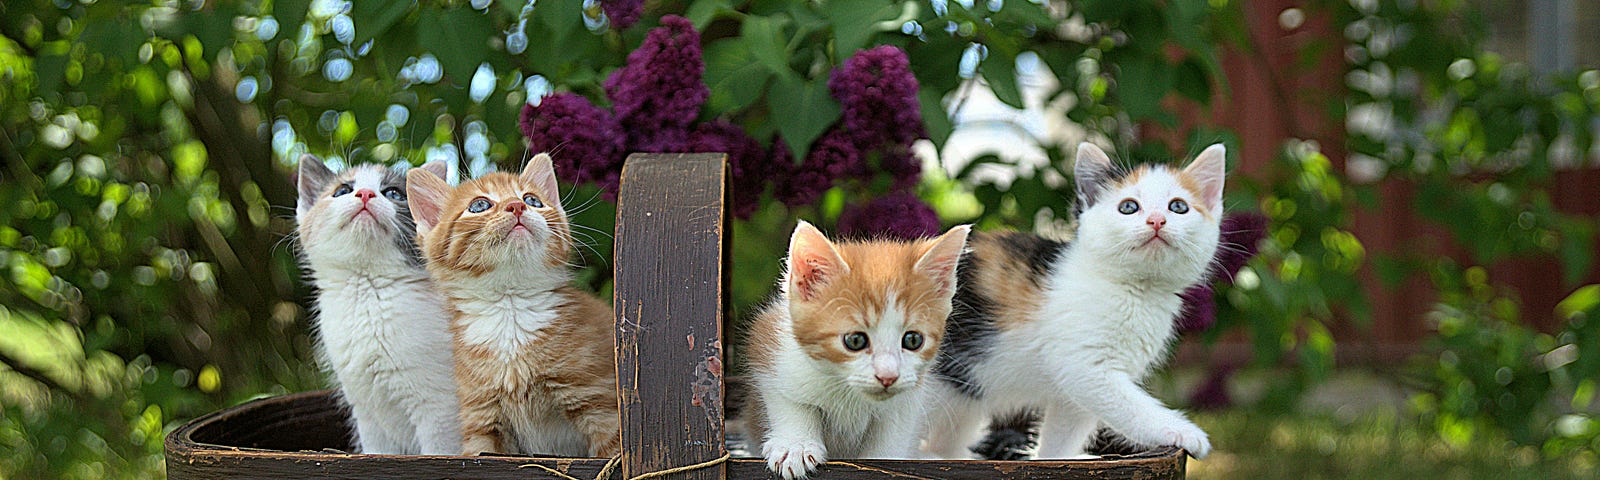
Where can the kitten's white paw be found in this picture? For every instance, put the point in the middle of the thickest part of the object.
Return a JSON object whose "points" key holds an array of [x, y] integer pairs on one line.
{"points": [[793, 459], [1189, 436]]}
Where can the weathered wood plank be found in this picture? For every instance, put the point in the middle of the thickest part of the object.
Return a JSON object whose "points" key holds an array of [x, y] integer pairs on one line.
{"points": [[304, 436], [669, 300], [1167, 464]]}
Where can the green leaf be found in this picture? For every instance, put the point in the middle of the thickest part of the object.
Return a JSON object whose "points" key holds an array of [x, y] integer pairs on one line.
{"points": [[1192, 81], [1141, 84], [764, 38], [735, 78], [290, 14], [1000, 69], [802, 110], [702, 12], [934, 116], [458, 36], [374, 18], [854, 21]]}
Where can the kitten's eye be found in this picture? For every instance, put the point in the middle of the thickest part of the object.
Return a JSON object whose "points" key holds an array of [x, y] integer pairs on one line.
{"points": [[532, 201], [1128, 207], [394, 194], [344, 189], [911, 341], [479, 204], [855, 341], [1177, 205]]}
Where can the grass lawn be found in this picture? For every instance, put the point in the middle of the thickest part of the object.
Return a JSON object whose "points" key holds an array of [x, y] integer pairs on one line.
{"points": [[1251, 444]]}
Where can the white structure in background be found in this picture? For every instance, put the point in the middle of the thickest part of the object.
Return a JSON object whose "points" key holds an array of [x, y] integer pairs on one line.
{"points": [[985, 125]]}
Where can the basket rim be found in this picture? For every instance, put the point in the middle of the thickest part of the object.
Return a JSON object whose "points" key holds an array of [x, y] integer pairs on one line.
{"points": [[180, 445]]}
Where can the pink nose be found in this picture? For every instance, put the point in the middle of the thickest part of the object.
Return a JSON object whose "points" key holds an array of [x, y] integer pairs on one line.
{"points": [[366, 194], [1156, 221], [887, 380], [516, 207]]}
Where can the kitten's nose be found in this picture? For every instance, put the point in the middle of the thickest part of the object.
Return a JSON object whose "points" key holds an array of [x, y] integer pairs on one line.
{"points": [[1156, 221], [366, 194], [516, 207], [887, 379]]}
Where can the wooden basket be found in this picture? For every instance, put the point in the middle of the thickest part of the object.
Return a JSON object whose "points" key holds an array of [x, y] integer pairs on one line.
{"points": [[671, 251]]}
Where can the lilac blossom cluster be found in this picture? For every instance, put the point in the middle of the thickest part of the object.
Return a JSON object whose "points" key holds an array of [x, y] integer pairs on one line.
{"points": [[880, 119], [622, 13], [1241, 232], [656, 99], [899, 215]]}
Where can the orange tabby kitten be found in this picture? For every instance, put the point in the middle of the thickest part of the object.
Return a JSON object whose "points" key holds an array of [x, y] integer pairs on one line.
{"points": [[533, 356], [838, 361]]}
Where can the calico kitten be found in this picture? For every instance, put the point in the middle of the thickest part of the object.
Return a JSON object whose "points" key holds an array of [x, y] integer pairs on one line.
{"points": [[382, 328], [1072, 329], [533, 355], [837, 361]]}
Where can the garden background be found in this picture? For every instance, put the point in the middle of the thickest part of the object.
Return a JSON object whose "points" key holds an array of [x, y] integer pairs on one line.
{"points": [[1424, 302]]}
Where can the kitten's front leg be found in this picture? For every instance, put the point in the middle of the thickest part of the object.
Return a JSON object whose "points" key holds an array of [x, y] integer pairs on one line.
{"points": [[481, 428], [897, 430], [593, 409], [793, 446], [372, 438], [439, 426], [1125, 407], [953, 423], [1064, 431]]}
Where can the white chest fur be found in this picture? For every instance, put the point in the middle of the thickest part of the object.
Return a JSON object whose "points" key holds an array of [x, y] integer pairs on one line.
{"points": [[504, 322], [385, 339]]}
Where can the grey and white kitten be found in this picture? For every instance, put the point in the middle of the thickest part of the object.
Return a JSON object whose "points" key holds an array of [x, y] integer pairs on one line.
{"points": [[382, 327]]}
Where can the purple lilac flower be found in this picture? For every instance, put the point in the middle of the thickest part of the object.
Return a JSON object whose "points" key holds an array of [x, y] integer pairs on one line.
{"points": [[901, 164], [658, 94], [899, 215], [747, 162], [622, 13], [1199, 311], [832, 157], [877, 96], [585, 140], [1241, 232], [1212, 394]]}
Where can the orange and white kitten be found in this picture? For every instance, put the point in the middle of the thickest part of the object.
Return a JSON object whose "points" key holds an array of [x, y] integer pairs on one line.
{"points": [[837, 361], [533, 356]]}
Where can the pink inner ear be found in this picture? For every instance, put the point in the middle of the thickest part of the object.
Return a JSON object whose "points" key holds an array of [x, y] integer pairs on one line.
{"points": [[809, 274]]}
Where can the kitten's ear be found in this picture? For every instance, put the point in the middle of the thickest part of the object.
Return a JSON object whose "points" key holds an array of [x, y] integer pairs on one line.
{"points": [[425, 197], [1091, 171], [943, 255], [438, 168], [313, 178], [542, 174], [1209, 171], [813, 262]]}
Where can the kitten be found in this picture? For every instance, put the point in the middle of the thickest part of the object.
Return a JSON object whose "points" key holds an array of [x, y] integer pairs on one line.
{"points": [[1072, 329], [382, 327], [837, 361], [533, 356]]}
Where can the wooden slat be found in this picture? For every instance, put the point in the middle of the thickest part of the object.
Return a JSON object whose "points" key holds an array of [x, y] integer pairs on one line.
{"points": [[669, 301]]}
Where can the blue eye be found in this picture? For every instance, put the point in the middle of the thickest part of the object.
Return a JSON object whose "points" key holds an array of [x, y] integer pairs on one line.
{"points": [[532, 201], [855, 341], [911, 341], [1128, 207], [395, 194], [479, 205], [344, 189], [1178, 206]]}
